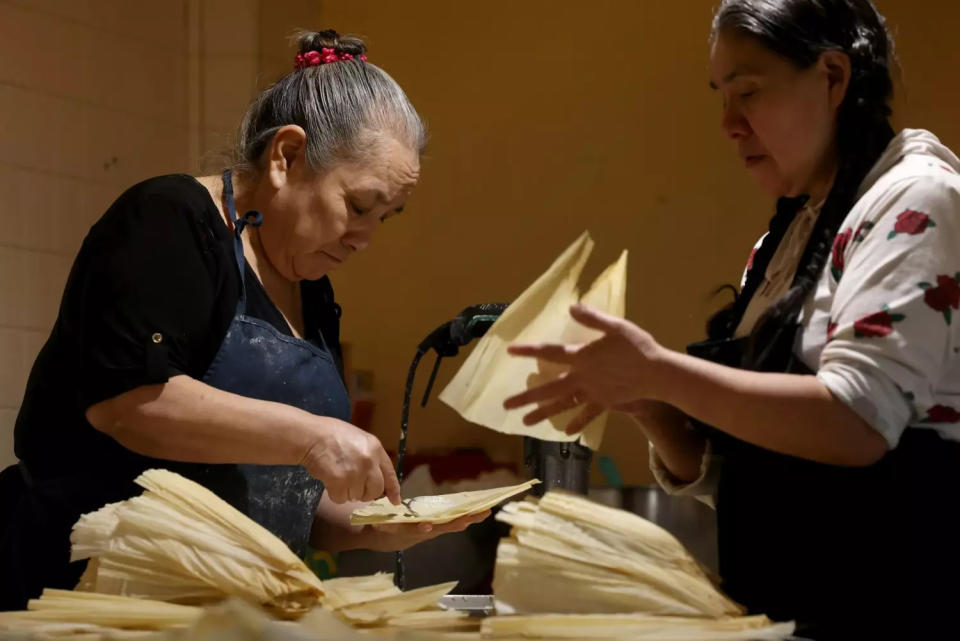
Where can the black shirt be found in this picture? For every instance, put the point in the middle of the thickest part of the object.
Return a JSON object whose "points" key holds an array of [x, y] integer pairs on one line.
{"points": [[150, 296]]}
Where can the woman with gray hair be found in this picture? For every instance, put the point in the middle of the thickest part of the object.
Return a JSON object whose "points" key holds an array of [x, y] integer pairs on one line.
{"points": [[198, 331]]}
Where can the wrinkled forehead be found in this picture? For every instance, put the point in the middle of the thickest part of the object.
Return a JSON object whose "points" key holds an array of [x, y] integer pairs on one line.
{"points": [[392, 163], [389, 173]]}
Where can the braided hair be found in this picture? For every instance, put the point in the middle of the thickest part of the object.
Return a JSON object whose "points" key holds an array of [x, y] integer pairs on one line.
{"points": [[800, 31]]}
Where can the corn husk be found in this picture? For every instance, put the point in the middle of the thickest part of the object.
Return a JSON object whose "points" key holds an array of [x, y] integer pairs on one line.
{"points": [[441, 508], [46, 631], [374, 600], [344, 591], [540, 314], [434, 620], [597, 560], [437, 635], [101, 611], [377, 611], [179, 542], [635, 627]]}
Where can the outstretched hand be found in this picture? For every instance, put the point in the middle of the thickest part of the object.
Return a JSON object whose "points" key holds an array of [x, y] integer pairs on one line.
{"points": [[612, 372]]}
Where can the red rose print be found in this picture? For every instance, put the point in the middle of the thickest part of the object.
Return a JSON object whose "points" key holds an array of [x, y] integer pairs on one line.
{"points": [[839, 246], [952, 288], [944, 297], [942, 414], [911, 222], [936, 298], [876, 324]]}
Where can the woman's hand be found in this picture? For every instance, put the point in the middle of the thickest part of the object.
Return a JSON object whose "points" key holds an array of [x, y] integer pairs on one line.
{"points": [[613, 372], [351, 463], [187, 420], [332, 530], [390, 537]]}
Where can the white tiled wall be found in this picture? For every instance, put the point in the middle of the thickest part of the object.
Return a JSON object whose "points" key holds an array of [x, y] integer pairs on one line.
{"points": [[96, 95]]}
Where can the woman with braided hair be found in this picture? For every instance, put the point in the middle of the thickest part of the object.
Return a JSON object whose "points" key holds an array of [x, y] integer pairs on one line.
{"points": [[206, 342], [822, 415]]}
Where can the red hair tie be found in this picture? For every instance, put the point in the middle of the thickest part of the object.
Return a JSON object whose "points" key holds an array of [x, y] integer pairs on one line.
{"points": [[325, 56]]}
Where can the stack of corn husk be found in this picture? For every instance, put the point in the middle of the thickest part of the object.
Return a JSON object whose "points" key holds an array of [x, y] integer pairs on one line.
{"points": [[84, 615], [571, 564], [351, 608], [635, 627], [155, 558], [180, 542]]}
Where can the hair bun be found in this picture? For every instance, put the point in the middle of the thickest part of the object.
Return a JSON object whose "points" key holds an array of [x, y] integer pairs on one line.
{"points": [[330, 39]]}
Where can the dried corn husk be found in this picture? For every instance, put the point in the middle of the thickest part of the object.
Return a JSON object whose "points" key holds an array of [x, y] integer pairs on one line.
{"points": [[375, 601], [441, 508], [379, 611], [180, 542], [437, 635], [540, 313], [45, 631], [597, 560], [101, 610], [635, 627], [434, 620], [344, 591]]}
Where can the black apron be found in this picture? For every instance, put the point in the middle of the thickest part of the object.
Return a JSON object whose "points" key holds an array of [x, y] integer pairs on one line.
{"points": [[849, 553], [254, 360]]}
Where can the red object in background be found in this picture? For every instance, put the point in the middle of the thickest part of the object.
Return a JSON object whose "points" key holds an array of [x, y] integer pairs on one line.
{"points": [[362, 413], [453, 465]]}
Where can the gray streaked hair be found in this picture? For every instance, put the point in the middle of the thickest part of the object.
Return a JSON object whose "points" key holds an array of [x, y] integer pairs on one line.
{"points": [[344, 108]]}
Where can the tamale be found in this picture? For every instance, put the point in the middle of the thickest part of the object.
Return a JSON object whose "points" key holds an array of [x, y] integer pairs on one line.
{"points": [[441, 508]]}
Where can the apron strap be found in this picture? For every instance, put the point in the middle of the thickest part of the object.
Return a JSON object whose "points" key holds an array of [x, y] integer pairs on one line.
{"points": [[252, 217]]}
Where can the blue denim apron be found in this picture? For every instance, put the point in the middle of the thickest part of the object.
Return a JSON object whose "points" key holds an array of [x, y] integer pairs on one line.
{"points": [[254, 360], [258, 361]]}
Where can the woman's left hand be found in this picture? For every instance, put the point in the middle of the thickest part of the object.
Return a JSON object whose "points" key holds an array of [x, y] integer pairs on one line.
{"points": [[611, 372], [390, 537]]}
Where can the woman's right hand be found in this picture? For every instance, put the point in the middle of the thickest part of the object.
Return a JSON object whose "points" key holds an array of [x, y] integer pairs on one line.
{"points": [[351, 463]]}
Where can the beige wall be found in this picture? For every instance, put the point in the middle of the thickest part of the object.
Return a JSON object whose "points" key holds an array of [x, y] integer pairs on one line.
{"points": [[95, 96], [92, 97], [546, 118]]}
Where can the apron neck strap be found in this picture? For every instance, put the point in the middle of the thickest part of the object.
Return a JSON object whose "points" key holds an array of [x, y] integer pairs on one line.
{"points": [[252, 217]]}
